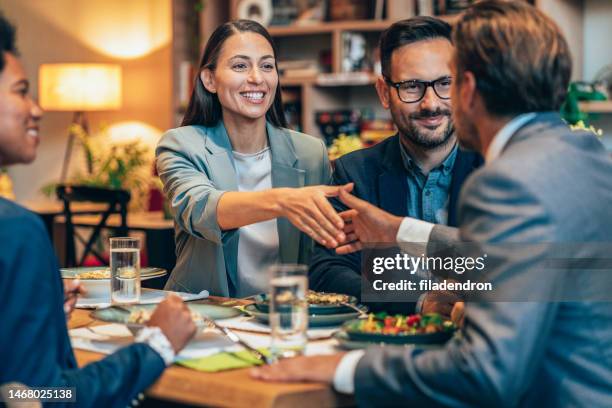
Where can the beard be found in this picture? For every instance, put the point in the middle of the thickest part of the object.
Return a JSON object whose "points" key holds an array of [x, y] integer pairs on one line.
{"points": [[423, 136]]}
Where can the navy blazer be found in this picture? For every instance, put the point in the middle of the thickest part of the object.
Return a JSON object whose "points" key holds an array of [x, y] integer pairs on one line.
{"points": [[380, 178], [35, 348]]}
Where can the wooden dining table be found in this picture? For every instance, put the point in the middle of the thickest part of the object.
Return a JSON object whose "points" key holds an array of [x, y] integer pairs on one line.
{"points": [[232, 388]]}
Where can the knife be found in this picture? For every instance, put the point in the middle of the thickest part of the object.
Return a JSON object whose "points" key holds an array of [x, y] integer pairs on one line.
{"points": [[235, 339]]}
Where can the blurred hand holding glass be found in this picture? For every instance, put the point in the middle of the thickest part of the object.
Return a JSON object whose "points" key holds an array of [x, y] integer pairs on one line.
{"points": [[125, 270], [288, 310]]}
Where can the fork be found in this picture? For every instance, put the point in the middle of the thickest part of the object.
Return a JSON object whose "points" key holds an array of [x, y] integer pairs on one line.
{"points": [[361, 312], [235, 339]]}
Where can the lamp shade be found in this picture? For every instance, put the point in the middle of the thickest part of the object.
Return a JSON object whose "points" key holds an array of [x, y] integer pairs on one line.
{"points": [[79, 87]]}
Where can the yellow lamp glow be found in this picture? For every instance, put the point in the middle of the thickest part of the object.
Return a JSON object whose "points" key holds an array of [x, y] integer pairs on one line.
{"points": [[116, 28], [131, 131], [79, 87]]}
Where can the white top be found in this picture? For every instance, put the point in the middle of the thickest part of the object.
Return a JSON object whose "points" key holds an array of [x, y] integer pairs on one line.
{"points": [[416, 231], [257, 243]]}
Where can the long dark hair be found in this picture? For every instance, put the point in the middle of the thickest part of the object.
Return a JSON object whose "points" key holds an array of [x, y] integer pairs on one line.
{"points": [[204, 107]]}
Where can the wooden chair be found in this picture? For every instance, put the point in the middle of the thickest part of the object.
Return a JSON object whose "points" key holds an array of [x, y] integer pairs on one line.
{"points": [[117, 201]]}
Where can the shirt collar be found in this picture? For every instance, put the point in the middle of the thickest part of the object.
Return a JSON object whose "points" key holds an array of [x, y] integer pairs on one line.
{"points": [[410, 164], [503, 136]]}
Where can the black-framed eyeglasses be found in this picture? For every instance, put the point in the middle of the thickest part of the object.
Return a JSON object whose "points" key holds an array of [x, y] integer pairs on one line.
{"points": [[413, 90]]}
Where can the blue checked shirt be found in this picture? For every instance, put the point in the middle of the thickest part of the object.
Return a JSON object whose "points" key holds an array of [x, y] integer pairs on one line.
{"points": [[428, 195]]}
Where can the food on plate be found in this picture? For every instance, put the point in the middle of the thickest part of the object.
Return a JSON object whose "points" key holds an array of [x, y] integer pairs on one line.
{"points": [[322, 298], [314, 298], [141, 316], [400, 325], [285, 297], [95, 274]]}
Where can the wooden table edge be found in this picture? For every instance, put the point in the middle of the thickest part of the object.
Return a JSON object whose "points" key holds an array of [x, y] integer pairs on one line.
{"points": [[226, 388]]}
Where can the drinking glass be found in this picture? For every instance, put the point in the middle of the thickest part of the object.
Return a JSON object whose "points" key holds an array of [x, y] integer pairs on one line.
{"points": [[288, 310], [125, 270]]}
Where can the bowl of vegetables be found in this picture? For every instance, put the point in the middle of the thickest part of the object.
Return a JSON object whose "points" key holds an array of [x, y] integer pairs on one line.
{"points": [[430, 328]]}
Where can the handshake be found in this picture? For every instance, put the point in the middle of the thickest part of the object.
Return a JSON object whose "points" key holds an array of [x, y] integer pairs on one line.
{"points": [[355, 228], [348, 231]]}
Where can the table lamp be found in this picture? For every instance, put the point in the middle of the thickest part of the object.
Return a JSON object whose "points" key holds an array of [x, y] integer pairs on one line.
{"points": [[79, 88]]}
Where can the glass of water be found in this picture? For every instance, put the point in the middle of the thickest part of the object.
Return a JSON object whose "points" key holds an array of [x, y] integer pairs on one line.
{"points": [[288, 310], [125, 270]]}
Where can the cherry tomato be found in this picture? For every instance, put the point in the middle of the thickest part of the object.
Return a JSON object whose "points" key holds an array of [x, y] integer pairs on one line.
{"points": [[413, 320]]}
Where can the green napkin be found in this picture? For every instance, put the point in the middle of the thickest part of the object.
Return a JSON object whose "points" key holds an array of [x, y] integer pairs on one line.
{"points": [[224, 361]]}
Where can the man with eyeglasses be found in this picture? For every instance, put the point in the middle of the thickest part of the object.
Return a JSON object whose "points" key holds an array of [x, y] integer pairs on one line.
{"points": [[417, 173]]}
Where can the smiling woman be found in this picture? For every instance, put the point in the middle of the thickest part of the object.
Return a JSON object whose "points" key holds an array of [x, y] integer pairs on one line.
{"points": [[18, 112], [241, 185]]}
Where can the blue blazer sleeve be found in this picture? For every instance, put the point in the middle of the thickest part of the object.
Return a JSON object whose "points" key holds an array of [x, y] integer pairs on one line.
{"points": [[34, 346]]}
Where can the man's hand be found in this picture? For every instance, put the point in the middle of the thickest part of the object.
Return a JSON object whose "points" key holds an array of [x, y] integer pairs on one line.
{"points": [[300, 369], [72, 289], [458, 314], [173, 317], [366, 224], [439, 301], [446, 303]]}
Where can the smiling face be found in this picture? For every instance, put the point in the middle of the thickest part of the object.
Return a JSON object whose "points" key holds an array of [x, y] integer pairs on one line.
{"points": [[426, 123], [245, 78], [19, 115]]}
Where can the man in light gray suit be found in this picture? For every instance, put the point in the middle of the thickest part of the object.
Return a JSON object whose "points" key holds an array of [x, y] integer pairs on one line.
{"points": [[543, 186]]}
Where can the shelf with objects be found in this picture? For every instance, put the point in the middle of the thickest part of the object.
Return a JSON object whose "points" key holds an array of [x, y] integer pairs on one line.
{"points": [[328, 59], [328, 62]]}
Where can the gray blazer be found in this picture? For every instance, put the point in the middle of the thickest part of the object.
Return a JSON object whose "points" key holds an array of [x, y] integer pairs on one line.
{"points": [[196, 166], [550, 185]]}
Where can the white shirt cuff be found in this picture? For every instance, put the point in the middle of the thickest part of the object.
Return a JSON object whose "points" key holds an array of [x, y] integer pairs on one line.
{"points": [[413, 235], [344, 377], [158, 341]]}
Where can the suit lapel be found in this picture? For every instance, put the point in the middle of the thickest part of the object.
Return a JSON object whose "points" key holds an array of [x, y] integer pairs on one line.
{"points": [[223, 173], [220, 159], [285, 174], [392, 183]]}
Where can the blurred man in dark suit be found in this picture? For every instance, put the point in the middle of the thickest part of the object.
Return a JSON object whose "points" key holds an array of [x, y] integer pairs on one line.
{"points": [[416, 173], [35, 350], [548, 341]]}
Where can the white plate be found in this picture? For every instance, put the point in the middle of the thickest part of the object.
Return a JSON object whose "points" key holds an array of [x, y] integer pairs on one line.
{"points": [[147, 297], [99, 289]]}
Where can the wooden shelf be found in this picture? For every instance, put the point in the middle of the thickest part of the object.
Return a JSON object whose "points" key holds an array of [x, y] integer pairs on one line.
{"points": [[596, 106], [297, 81], [346, 79], [331, 80], [330, 27]]}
